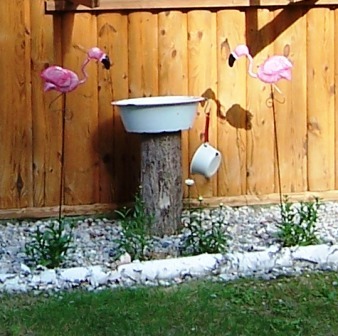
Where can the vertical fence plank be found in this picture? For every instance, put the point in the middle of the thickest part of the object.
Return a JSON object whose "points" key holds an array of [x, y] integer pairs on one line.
{"points": [[320, 96], [15, 113], [233, 120], [115, 171], [46, 50], [142, 73], [260, 150], [172, 50], [291, 105], [202, 67], [81, 160], [173, 64], [143, 54], [336, 95], [25, 167]]}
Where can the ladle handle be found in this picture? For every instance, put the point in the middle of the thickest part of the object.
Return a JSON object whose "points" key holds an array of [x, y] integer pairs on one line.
{"points": [[206, 130]]}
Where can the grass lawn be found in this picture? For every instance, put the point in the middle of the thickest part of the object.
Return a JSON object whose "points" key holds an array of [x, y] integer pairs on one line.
{"points": [[306, 305]]}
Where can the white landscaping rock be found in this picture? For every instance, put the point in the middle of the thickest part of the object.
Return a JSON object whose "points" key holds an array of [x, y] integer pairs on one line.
{"points": [[149, 273], [284, 258], [250, 262], [75, 274], [169, 269], [114, 277], [124, 259], [44, 279], [131, 271], [5, 277], [333, 256], [15, 285], [25, 270], [247, 263], [48, 277], [97, 276], [316, 254]]}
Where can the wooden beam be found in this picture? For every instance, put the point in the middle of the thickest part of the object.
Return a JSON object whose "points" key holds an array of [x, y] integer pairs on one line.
{"points": [[84, 3], [102, 209], [324, 196], [53, 211], [78, 5]]}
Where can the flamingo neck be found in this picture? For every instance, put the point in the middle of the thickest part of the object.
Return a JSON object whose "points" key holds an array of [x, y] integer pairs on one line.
{"points": [[83, 69], [250, 71]]}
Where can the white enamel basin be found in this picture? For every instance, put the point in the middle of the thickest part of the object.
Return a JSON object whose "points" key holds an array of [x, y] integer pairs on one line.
{"points": [[158, 114]]}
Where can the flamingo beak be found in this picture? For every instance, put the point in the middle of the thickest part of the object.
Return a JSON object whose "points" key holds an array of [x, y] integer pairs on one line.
{"points": [[231, 60], [106, 62]]}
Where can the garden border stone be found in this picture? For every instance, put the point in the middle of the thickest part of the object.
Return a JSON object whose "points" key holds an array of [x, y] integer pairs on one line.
{"points": [[273, 261]]}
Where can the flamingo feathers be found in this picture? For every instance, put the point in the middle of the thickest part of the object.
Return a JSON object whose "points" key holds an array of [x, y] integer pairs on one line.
{"points": [[60, 79], [275, 68]]}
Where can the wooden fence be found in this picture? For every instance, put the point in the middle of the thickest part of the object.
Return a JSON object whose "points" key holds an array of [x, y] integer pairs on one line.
{"points": [[166, 51]]}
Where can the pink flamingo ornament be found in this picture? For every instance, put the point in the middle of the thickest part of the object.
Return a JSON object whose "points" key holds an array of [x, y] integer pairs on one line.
{"points": [[64, 80], [271, 71]]}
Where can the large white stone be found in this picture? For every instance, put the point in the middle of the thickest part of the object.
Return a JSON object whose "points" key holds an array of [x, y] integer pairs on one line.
{"points": [[253, 261], [131, 271], [284, 258], [169, 269], [258, 261], [4, 277], [124, 259], [15, 285], [48, 277], [75, 274], [317, 254], [114, 277], [333, 256], [97, 276], [24, 269], [149, 273], [35, 281]]}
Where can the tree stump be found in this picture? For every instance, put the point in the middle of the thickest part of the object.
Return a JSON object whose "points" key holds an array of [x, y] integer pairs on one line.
{"points": [[161, 180]]}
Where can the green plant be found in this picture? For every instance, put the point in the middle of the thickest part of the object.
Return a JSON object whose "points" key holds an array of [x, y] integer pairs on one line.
{"points": [[298, 223], [205, 236], [135, 235], [50, 243]]}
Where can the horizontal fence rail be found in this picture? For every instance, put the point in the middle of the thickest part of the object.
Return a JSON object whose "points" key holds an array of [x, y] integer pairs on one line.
{"points": [[166, 52], [105, 5]]}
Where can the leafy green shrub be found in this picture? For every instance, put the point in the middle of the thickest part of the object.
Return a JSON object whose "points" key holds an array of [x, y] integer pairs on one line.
{"points": [[205, 237], [50, 243], [135, 236], [298, 223]]}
